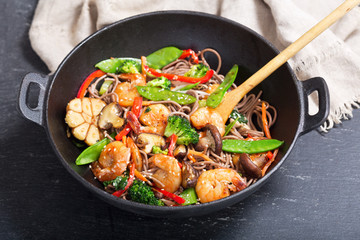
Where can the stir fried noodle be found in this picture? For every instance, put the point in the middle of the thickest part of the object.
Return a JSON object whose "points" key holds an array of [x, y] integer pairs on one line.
{"points": [[250, 106]]}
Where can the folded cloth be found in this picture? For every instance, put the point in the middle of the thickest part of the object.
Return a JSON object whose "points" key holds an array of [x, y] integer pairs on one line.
{"points": [[335, 55]]}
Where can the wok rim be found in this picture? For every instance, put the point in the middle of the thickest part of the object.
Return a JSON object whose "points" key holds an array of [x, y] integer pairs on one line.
{"points": [[187, 210]]}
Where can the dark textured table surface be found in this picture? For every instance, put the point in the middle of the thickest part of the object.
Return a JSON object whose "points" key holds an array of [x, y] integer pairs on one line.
{"points": [[314, 195]]}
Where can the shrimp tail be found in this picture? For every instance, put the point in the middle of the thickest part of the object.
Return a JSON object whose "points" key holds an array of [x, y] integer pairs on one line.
{"points": [[239, 183], [134, 122]]}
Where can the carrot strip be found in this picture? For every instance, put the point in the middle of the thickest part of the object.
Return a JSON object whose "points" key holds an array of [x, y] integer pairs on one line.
{"points": [[143, 63], [140, 176], [191, 157], [264, 120], [267, 165], [199, 154]]}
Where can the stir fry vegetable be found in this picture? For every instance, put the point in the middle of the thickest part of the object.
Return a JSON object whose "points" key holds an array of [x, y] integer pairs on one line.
{"points": [[154, 136], [182, 129], [243, 146], [180, 78], [92, 153], [161, 82], [120, 65], [216, 97], [162, 94], [163, 57]]}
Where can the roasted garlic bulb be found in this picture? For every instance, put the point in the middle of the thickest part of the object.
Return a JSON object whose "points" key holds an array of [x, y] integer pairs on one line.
{"points": [[82, 117]]}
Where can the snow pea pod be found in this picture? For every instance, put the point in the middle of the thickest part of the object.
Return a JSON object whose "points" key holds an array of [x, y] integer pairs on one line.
{"points": [[162, 94], [92, 153], [216, 97], [243, 146], [189, 86], [163, 57]]}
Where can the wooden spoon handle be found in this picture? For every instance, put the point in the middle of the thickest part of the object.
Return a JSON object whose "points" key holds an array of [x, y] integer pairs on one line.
{"points": [[232, 98]]}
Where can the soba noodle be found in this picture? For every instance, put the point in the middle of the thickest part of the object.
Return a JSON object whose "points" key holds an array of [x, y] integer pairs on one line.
{"points": [[249, 106]]}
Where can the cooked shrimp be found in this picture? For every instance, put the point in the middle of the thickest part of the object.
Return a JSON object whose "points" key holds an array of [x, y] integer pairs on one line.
{"points": [[112, 162], [169, 172], [217, 184], [127, 91], [154, 118], [206, 115]]}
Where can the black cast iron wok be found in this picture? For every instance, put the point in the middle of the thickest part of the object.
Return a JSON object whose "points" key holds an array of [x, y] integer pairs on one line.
{"points": [[143, 34]]}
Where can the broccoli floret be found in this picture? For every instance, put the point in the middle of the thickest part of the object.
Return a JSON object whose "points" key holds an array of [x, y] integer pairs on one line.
{"points": [[157, 149], [129, 66], [236, 115], [162, 82], [118, 183], [182, 129], [142, 193], [197, 71]]}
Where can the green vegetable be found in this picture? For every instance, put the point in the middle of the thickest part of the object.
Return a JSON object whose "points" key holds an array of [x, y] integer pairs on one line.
{"points": [[148, 109], [163, 57], [197, 71], [120, 65], [243, 146], [240, 117], [92, 153], [162, 82], [142, 193], [129, 66], [182, 129], [161, 94], [105, 86], [230, 126], [157, 149], [189, 86], [202, 103], [119, 182], [189, 195], [216, 97]]}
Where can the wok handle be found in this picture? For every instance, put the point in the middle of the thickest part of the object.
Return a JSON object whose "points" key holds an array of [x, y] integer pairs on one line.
{"points": [[33, 114], [314, 121]]}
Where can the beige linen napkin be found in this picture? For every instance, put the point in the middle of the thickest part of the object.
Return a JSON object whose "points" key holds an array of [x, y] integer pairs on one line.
{"points": [[59, 25]]}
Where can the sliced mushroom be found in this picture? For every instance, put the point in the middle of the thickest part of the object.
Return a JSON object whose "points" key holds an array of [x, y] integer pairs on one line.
{"points": [[110, 116], [189, 175], [180, 152], [212, 140], [249, 166], [148, 140]]}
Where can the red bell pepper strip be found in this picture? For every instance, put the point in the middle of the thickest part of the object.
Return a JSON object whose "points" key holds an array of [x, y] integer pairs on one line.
{"points": [[173, 139], [203, 79], [123, 132], [174, 197], [269, 155], [87, 82], [189, 52], [136, 109], [129, 182]]}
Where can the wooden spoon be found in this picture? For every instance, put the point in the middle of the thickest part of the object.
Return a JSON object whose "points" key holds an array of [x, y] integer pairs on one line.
{"points": [[232, 98]]}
